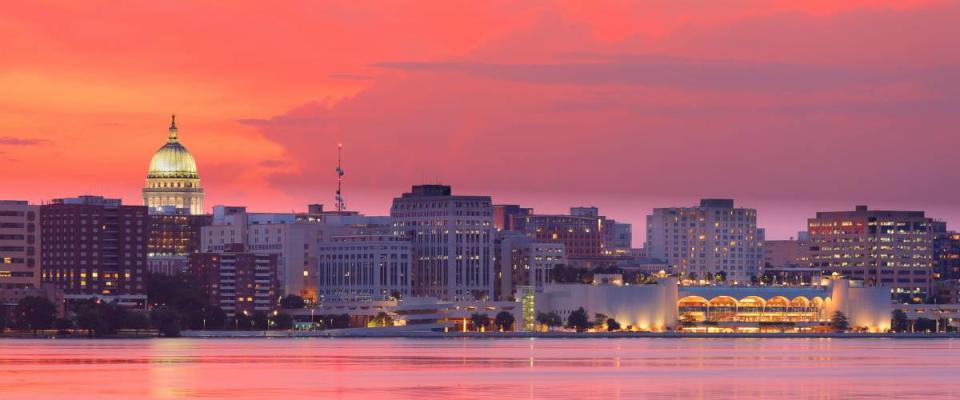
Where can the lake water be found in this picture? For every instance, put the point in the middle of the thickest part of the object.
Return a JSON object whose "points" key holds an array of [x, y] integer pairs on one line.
{"points": [[323, 368]]}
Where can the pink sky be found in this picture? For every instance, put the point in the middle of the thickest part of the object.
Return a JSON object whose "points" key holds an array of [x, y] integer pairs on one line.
{"points": [[786, 107]]}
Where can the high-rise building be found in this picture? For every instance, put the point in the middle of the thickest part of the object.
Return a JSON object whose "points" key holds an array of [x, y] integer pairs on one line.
{"points": [[19, 245], [522, 261], [881, 248], [503, 215], [365, 267], [452, 241], [174, 236], [95, 247], [708, 239], [587, 236], [238, 281], [172, 179]]}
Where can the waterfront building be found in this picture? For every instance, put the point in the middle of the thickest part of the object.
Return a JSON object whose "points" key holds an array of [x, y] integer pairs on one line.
{"points": [[376, 267], [669, 306], [20, 255], [893, 249], [174, 236], [172, 179], [521, 261], [703, 241], [293, 237], [452, 240], [95, 247], [238, 281]]}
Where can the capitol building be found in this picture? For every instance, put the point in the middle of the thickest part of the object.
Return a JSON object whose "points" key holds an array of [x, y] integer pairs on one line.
{"points": [[172, 181]]}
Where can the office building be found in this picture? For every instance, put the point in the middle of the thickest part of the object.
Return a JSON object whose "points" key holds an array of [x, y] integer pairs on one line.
{"points": [[893, 249], [522, 261], [375, 267], [452, 241], [174, 236]]}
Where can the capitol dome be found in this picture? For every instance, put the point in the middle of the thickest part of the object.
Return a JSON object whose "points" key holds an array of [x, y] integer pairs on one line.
{"points": [[173, 160]]}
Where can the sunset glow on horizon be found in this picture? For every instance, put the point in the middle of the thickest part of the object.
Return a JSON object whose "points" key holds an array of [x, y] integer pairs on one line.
{"points": [[788, 108]]}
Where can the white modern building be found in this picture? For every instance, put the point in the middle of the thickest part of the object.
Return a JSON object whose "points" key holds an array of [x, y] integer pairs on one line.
{"points": [[705, 240], [357, 267], [668, 306], [452, 239]]}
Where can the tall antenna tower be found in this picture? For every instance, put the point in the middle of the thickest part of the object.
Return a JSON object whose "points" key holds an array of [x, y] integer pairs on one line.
{"points": [[340, 205]]}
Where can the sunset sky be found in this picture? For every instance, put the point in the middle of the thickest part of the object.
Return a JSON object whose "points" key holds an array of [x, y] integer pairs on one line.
{"points": [[627, 106]]}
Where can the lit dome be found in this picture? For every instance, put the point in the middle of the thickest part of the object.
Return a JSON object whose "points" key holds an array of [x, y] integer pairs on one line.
{"points": [[173, 160]]}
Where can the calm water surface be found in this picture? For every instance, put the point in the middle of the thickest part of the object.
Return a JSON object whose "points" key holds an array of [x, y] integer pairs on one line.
{"points": [[321, 368]]}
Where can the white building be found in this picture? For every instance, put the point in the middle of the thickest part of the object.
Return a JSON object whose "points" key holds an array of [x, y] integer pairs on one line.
{"points": [[294, 238], [452, 238], [375, 267], [19, 245], [707, 239]]}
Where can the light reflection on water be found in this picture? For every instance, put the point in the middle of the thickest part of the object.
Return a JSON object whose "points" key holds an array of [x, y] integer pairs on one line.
{"points": [[480, 368]]}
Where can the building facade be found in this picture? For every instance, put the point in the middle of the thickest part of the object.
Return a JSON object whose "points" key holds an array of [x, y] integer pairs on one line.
{"points": [[893, 249], [174, 236], [708, 239], [172, 179], [522, 261], [95, 247], [452, 241], [376, 267], [238, 281], [20, 255]]}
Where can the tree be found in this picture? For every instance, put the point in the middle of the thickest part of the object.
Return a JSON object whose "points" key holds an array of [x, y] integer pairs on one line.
{"points": [[599, 321], [283, 321], [35, 313], [88, 318], [166, 320], [62, 325], [259, 320], [479, 321], [550, 320], [839, 322], [215, 318], [504, 321], [342, 321], [578, 320], [612, 325], [3, 319], [721, 276], [292, 302], [380, 320], [925, 325], [137, 321], [899, 322], [243, 321], [395, 295]]}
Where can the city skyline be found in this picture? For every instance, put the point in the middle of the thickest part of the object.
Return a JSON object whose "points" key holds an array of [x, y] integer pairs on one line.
{"points": [[854, 107]]}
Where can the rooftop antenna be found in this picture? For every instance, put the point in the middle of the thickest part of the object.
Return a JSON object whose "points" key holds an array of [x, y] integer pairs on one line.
{"points": [[340, 205]]}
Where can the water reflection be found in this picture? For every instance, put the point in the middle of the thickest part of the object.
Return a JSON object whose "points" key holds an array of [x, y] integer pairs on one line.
{"points": [[479, 368]]}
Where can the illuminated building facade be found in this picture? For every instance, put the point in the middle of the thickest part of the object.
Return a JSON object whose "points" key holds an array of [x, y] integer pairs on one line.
{"points": [[19, 245], [238, 281], [452, 239], [703, 241], [668, 306], [174, 236], [893, 249], [95, 247], [173, 179], [374, 267]]}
